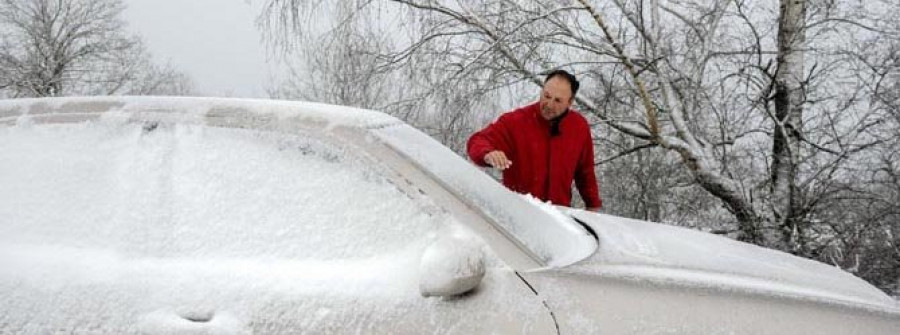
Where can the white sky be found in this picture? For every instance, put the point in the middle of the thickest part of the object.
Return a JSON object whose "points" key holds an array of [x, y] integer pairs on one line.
{"points": [[215, 41]]}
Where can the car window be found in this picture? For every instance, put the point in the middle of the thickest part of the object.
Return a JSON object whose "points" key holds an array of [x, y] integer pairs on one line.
{"points": [[190, 190]]}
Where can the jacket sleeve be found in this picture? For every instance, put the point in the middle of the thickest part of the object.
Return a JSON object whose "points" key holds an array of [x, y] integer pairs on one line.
{"points": [[495, 136], [586, 178]]}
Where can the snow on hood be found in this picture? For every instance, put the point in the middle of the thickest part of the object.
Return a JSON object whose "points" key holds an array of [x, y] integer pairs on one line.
{"points": [[642, 250]]}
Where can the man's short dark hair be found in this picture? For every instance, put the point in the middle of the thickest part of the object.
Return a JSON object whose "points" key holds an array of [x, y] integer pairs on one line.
{"points": [[573, 83]]}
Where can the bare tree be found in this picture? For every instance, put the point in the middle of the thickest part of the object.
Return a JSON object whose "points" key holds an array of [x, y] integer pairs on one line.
{"points": [[69, 47], [354, 63], [340, 67]]}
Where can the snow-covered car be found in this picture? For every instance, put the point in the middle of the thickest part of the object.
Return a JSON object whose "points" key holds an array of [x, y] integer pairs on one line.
{"points": [[161, 215]]}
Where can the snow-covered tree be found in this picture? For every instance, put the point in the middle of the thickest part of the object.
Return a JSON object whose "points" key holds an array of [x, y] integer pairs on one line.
{"points": [[76, 47]]}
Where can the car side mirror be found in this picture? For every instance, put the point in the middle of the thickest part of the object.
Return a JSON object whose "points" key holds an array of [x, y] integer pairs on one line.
{"points": [[450, 266]]}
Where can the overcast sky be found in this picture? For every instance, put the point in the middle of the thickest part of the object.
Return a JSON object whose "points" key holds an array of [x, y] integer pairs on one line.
{"points": [[214, 41]]}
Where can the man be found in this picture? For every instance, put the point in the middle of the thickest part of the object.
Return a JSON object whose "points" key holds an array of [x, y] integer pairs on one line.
{"points": [[542, 147]]}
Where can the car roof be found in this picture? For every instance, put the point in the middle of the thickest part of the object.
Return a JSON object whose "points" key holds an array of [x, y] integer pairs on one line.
{"points": [[200, 109]]}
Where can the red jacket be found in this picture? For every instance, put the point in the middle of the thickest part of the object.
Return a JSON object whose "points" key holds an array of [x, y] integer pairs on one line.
{"points": [[542, 165]]}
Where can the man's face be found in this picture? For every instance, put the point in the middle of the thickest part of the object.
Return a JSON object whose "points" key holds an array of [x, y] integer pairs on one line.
{"points": [[556, 97]]}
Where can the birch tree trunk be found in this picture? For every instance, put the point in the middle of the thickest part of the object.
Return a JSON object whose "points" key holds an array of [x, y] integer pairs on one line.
{"points": [[789, 99]]}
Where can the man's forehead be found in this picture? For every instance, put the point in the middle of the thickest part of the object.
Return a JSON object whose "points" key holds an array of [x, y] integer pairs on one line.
{"points": [[558, 86]]}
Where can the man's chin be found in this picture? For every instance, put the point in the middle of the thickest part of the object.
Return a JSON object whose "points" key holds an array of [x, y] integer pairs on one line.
{"points": [[546, 115]]}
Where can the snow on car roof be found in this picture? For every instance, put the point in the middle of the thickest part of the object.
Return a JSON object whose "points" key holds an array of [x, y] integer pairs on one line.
{"points": [[197, 108]]}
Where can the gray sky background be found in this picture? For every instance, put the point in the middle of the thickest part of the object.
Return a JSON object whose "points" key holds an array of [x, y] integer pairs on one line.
{"points": [[215, 41]]}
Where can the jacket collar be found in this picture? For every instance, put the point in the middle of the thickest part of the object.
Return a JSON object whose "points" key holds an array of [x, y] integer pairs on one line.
{"points": [[554, 123]]}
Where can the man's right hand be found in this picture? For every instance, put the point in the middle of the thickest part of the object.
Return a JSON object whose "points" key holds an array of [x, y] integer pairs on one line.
{"points": [[498, 160]]}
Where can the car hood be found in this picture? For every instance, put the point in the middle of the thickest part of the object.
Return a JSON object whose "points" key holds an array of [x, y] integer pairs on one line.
{"points": [[641, 250]]}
